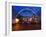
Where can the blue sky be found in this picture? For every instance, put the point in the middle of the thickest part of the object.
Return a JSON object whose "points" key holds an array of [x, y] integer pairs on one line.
{"points": [[33, 10]]}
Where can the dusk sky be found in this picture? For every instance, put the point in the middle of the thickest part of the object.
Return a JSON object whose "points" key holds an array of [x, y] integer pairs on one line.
{"points": [[27, 10]]}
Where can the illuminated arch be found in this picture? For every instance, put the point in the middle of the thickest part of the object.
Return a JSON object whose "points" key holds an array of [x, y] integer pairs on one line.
{"points": [[25, 9]]}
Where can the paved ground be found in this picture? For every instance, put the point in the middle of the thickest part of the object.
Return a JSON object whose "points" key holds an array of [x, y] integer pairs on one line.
{"points": [[17, 27]]}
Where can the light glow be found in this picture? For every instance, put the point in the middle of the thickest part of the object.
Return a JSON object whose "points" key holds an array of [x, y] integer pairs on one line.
{"points": [[17, 20]]}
